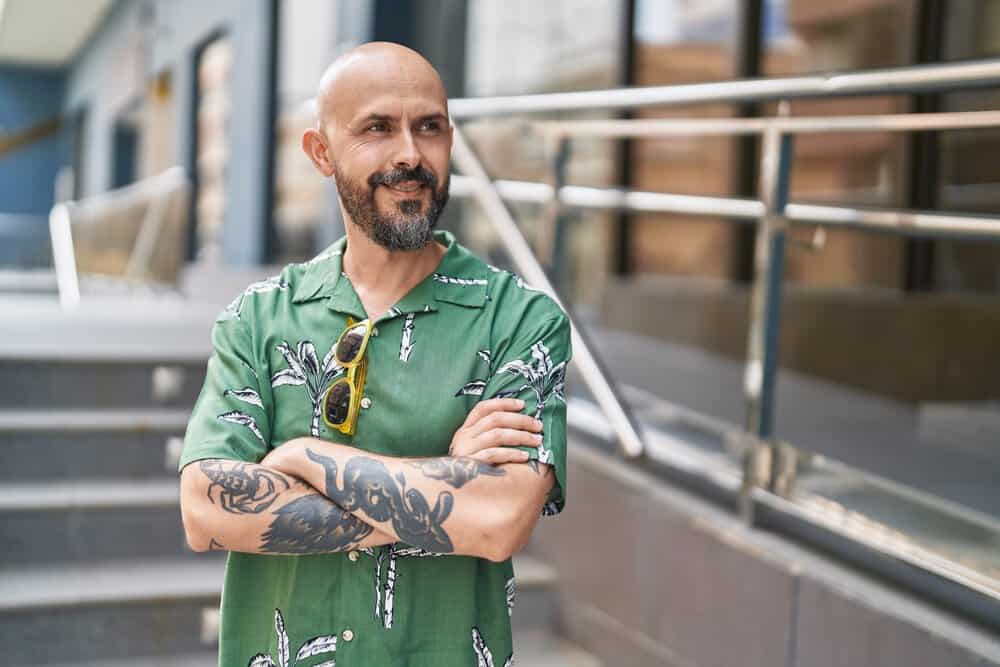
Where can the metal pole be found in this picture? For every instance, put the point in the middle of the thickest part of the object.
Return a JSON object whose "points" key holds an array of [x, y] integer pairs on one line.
{"points": [[554, 218], [594, 375], [765, 312], [895, 81]]}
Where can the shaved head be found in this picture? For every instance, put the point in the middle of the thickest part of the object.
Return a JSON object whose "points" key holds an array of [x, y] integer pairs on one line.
{"points": [[382, 132], [353, 72]]}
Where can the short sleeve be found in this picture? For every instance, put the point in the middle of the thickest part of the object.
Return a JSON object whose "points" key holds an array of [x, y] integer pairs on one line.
{"points": [[229, 420], [533, 368]]}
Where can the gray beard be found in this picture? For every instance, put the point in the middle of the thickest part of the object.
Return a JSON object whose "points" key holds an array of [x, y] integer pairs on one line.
{"points": [[407, 229]]}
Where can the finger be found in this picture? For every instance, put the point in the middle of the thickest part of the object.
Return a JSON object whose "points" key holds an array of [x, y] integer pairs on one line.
{"points": [[484, 408], [509, 437], [500, 419], [498, 455]]}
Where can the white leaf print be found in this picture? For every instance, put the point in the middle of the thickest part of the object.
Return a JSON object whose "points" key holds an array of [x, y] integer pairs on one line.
{"points": [[317, 646], [509, 589], [406, 343], [304, 369], [273, 283], [486, 356], [287, 376], [484, 657], [464, 282], [279, 629], [261, 660], [247, 395], [291, 358], [308, 359], [242, 419], [474, 388]]}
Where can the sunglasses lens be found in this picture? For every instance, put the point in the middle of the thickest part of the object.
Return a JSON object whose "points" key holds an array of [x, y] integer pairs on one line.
{"points": [[349, 345], [338, 403]]}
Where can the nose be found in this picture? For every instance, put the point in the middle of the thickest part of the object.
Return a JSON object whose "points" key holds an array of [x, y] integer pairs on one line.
{"points": [[406, 154]]}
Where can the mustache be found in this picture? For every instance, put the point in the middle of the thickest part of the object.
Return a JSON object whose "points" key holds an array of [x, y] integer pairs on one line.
{"points": [[395, 176]]}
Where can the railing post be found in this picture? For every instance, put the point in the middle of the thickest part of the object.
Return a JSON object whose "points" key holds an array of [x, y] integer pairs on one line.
{"points": [[553, 241], [760, 379]]}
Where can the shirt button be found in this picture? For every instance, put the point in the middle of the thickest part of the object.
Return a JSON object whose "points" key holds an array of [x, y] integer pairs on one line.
{"points": [[366, 402], [348, 635], [353, 555]]}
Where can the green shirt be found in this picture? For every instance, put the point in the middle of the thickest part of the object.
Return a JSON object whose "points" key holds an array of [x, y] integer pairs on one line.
{"points": [[466, 333]]}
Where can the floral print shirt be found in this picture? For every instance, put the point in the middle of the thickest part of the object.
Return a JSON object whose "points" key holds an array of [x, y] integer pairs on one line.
{"points": [[466, 333]]}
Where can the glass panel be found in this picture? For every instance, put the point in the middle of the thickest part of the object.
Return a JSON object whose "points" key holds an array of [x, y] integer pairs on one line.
{"points": [[556, 51], [897, 385], [853, 169]]}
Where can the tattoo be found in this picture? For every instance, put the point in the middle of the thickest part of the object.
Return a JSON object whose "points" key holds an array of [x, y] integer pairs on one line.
{"points": [[215, 546], [456, 471], [312, 524], [534, 466], [243, 489], [368, 486]]}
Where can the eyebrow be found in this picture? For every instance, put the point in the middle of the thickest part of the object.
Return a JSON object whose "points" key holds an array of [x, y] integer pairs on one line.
{"points": [[383, 118]]}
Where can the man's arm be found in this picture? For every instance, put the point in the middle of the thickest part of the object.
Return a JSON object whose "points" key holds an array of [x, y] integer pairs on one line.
{"points": [[445, 504], [235, 506]]}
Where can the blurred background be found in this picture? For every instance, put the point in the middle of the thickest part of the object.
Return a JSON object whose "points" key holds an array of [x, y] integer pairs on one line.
{"points": [[829, 496]]}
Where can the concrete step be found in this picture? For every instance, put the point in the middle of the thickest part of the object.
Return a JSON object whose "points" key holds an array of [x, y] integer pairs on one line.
{"points": [[165, 611], [76, 522], [52, 445], [115, 382], [110, 611]]}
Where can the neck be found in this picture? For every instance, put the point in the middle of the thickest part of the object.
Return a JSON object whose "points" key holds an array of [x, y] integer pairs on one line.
{"points": [[390, 274]]}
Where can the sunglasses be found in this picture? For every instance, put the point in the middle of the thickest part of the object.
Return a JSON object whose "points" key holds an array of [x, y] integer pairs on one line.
{"points": [[342, 399]]}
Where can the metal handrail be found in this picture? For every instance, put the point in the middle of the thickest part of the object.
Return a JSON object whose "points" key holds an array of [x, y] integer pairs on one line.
{"points": [[663, 127], [890, 81], [599, 382], [764, 468], [736, 209], [772, 209]]}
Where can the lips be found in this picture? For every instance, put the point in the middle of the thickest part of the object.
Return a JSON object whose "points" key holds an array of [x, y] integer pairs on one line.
{"points": [[406, 187]]}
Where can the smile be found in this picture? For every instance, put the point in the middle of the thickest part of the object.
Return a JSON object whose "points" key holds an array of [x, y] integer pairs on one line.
{"points": [[406, 187]]}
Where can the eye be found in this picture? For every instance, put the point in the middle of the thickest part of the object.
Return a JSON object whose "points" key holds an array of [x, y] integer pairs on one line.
{"points": [[429, 126], [378, 126]]}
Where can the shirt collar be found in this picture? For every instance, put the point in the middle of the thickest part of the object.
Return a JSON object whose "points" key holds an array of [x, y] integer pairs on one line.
{"points": [[460, 278]]}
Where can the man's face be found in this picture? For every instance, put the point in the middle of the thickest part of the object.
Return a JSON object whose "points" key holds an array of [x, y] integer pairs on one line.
{"points": [[390, 143]]}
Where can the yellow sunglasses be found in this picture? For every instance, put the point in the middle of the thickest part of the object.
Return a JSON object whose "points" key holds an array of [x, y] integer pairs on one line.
{"points": [[342, 399]]}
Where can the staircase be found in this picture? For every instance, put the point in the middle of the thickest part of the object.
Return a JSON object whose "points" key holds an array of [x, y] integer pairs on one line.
{"points": [[94, 569]]}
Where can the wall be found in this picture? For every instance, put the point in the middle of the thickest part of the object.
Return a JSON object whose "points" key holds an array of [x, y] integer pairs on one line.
{"points": [[31, 95], [650, 575], [134, 43], [911, 347]]}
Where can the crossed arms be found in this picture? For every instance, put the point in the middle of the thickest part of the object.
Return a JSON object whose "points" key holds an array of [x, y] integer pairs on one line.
{"points": [[312, 496]]}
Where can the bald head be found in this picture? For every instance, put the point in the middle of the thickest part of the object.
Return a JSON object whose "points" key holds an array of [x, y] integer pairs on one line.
{"points": [[383, 134], [376, 67]]}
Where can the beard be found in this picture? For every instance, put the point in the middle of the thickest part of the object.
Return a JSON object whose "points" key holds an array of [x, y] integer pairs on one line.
{"points": [[405, 228]]}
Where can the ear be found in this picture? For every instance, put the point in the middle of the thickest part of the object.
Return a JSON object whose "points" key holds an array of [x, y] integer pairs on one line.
{"points": [[315, 146]]}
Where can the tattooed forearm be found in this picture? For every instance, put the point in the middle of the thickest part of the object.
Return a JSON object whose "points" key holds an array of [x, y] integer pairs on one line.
{"points": [[313, 524], [456, 471], [369, 487], [242, 488]]}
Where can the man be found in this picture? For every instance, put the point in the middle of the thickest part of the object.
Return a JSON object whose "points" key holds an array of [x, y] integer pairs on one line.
{"points": [[380, 427]]}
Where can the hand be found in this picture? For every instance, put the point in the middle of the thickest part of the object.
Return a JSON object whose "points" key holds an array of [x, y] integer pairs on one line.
{"points": [[492, 428], [284, 457]]}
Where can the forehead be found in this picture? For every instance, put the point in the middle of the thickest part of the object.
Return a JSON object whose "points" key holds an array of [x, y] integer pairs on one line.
{"points": [[387, 88]]}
